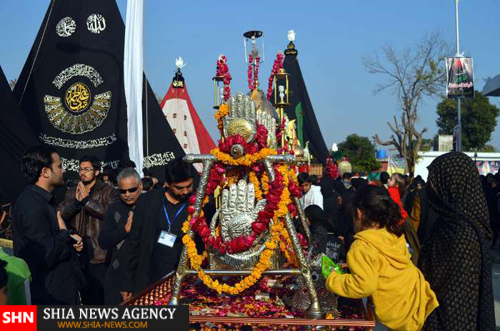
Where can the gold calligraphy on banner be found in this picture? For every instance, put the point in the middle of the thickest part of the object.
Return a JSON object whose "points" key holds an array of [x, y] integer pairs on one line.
{"points": [[77, 97]]}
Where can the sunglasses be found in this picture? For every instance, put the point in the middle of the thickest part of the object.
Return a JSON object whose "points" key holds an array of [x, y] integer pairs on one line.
{"points": [[131, 190]]}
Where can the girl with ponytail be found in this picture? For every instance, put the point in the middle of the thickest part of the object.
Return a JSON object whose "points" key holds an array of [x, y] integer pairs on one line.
{"points": [[380, 264]]}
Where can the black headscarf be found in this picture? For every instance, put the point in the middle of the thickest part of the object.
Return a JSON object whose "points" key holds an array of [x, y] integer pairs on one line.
{"points": [[456, 257]]}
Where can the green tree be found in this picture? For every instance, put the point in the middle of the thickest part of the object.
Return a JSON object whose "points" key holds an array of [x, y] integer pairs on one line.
{"points": [[488, 149], [361, 153], [479, 118], [411, 74], [427, 145]]}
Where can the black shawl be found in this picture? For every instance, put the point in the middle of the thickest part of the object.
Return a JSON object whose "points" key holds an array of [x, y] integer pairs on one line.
{"points": [[456, 257]]}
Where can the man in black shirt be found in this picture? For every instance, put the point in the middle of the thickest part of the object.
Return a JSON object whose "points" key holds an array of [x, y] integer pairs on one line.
{"points": [[115, 229], [40, 235], [154, 245]]}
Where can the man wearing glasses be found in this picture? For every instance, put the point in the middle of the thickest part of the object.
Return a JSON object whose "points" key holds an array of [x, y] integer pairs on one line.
{"points": [[115, 229], [83, 209], [154, 245]]}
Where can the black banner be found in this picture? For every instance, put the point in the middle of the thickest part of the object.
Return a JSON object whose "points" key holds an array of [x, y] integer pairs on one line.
{"points": [[113, 317], [301, 109], [72, 93], [460, 77]]}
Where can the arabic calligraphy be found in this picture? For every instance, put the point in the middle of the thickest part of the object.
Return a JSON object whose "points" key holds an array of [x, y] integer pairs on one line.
{"points": [[87, 121], [96, 23], [78, 70], [77, 144], [66, 27], [77, 97]]}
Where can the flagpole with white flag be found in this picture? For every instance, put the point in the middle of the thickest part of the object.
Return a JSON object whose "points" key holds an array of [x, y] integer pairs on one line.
{"points": [[133, 79]]}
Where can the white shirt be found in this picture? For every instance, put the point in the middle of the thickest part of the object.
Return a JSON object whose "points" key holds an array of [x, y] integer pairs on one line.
{"points": [[313, 197]]}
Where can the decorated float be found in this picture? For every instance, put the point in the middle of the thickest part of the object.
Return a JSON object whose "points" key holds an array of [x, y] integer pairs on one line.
{"points": [[258, 269]]}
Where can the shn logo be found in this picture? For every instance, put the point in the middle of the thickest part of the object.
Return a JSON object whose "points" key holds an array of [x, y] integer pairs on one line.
{"points": [[23, 317]]}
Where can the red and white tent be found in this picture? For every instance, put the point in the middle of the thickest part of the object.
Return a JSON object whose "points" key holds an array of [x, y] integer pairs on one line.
{"points": [[184, 121]]}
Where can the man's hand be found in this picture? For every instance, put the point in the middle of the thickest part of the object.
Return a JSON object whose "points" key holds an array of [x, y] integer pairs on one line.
{"points": [[81, 192], [126, 295], [79, 242], [128, 225], [60, 222]]}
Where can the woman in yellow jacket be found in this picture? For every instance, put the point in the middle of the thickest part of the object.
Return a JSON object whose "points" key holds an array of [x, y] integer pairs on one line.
{"points": [[380, 265]]}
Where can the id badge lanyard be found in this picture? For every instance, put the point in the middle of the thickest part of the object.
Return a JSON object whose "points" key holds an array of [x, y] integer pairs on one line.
{"points": [[166, 214]]}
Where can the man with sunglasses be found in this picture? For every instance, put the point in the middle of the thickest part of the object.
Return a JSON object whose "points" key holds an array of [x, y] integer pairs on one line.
{"points": [[154, 245], [115, 229], [83, 209]]}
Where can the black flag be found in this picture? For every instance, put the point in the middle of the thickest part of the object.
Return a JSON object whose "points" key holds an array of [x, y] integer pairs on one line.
{"points": [[301, 108], [71, 88], [15, 137]]}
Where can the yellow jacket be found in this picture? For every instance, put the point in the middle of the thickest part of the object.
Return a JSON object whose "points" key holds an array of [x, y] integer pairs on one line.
{"points": [[381, 268]]}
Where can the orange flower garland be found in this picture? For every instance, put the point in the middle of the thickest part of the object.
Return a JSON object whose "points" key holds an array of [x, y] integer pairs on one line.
{"points": [[277, 232], [252, 177], [246, 160], [220, 114], [264, 262]]}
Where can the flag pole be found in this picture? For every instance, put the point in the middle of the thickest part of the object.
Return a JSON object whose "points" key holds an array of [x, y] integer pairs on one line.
{"points": [[459, 115]]}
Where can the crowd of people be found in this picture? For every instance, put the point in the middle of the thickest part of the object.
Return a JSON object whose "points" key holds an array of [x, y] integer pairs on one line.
{"points": [[105, 240], [420, 250]]}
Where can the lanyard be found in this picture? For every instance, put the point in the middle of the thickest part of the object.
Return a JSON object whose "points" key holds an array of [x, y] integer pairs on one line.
{"points": [[166, 214]]}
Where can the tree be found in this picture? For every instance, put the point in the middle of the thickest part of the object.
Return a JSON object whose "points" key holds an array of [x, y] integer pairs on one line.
{"points": [[488, 149], [427, 145], [479, 119], [361, 153], [412, 75]]}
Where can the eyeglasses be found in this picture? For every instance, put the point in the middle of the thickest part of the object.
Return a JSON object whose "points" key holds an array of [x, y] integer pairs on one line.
{"points": [[131, 190], [86, 169]]}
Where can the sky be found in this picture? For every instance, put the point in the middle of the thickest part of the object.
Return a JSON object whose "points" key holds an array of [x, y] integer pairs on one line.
{"points": [[331, 36]]}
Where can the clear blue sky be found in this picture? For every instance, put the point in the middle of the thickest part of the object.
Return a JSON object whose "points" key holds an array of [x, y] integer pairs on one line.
{"points": [[332, 37]]}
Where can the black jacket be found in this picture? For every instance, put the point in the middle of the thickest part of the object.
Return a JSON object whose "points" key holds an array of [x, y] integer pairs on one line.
{"points": [[46, 249], [112, 238], [137, 251]]}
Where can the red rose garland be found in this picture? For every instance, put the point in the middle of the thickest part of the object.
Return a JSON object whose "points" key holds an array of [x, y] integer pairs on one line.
{"points": [[253, 80], [331, 168], [261, 224], [278, 64], [223, 71], [273, 197]]}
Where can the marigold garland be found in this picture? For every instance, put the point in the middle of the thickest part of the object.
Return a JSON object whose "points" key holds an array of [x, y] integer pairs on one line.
{"points": [[264, 262], [246, 160], [252, 177], [220, 114], [278, 196]]}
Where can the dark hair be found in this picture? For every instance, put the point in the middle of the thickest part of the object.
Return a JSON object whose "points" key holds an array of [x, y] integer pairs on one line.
{"points": [[384, 177], [147, 172], [378, 208], [147, 184], [347, 175], [315, 214], [313, 179], [34, 160], [402, 184], [126, 164], [302, 178], [96, 164], [3, 274], [357, 183], [111, 173], [178, 171]]}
